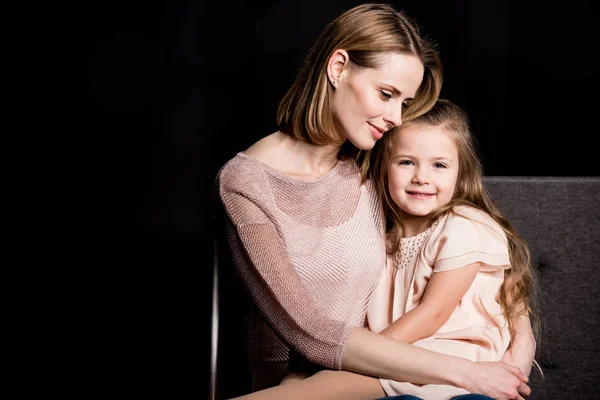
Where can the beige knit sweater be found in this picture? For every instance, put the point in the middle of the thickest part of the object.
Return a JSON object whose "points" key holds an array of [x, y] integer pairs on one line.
{"points": [[310, 253]]}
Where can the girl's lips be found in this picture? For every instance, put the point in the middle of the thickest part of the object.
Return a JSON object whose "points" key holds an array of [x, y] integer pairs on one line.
{"points": [[420, 195]]}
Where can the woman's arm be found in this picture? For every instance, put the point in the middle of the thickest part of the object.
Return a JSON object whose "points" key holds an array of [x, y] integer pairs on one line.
{"points": [[328, 385], [265, 268], [442, 294], [367, 350], [373, 354], [263, 264]]}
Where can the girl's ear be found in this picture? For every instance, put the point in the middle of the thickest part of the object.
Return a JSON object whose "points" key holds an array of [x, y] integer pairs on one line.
{"points": [[338, 61]]}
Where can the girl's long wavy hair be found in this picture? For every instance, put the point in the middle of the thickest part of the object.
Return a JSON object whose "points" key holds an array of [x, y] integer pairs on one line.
{"points": [[519, 294], [365, 32]]}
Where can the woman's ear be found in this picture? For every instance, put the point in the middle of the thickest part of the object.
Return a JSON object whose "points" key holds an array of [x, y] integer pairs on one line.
{"points": [[338, 61]]}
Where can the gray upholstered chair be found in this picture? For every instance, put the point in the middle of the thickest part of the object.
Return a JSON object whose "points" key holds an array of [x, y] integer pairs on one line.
{"points": [[560, 219]]}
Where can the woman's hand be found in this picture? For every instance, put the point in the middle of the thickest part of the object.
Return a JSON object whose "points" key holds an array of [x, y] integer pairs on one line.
{"points": [[498, 380]]}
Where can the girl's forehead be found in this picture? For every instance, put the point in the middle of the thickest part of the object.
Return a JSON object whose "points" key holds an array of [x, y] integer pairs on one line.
{"points": [[416, 130], [423, 139]]}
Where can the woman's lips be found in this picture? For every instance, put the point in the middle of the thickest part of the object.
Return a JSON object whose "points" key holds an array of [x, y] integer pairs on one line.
{"points": [[377, 132]]}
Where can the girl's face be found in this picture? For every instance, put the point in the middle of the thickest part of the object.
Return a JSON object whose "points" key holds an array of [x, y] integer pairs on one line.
{"points": [[368, 101], [422, 171]]}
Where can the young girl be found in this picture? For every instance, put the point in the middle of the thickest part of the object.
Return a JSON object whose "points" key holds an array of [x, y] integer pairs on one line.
{"points": [[458, 274]]}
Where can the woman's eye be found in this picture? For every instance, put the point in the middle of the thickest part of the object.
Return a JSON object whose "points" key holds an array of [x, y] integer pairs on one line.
{"points": [[385, 95]]}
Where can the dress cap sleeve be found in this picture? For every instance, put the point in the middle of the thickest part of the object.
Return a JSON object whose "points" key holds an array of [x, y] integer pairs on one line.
{"points": [[465, 236]]}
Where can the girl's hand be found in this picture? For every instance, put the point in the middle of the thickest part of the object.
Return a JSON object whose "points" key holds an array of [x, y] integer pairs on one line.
{"points": [[522, 349], [523, 361]]}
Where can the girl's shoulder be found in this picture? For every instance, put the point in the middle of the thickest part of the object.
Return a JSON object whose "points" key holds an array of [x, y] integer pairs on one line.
{"points": [[465, 235], [471, 213], [468, 223]]}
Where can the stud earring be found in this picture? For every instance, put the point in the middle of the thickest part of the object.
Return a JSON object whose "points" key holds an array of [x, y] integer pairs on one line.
{"points": [[334, 81]]}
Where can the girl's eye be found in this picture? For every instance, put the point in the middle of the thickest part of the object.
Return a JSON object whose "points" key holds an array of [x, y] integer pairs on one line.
{"points": [[405, 162], [439, 165], [385, 95], [404, 106]]}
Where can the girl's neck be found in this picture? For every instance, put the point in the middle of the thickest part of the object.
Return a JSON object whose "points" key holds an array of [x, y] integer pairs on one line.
{"points": [[413, 225]]}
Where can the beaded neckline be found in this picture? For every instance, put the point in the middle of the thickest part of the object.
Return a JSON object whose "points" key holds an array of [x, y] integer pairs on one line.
{"points": [[410, 248]]}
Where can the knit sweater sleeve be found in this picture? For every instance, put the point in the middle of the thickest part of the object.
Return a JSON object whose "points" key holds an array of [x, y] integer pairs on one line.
{"points": [[263, 263]]}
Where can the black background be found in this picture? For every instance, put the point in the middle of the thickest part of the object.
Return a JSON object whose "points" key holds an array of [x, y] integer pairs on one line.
{"points": [[175, 89]]}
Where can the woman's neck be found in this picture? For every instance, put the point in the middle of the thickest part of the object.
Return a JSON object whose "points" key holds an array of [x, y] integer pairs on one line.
{"points": [[293, 157]]}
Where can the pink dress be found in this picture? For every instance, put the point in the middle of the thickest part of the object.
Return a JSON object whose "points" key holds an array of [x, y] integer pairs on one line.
{"points": [[477, 329]]}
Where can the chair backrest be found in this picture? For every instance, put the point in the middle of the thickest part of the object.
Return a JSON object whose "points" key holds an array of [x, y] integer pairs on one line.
{"points": [[214, 333], [230, 370], [559, 217]]}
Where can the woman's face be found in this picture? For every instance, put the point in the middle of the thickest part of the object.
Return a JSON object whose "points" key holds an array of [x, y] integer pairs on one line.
{"points": [[367, 102]]}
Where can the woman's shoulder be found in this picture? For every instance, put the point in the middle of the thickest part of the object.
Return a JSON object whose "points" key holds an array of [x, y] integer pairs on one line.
{"points": [[238, 172], [252, 157]]}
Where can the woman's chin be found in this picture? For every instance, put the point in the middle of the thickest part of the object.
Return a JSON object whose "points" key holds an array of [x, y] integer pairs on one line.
{"points": [[364, 144]]}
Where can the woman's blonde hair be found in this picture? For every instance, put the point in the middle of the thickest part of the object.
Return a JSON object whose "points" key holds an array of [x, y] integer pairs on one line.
{"points": [[364, 32], [519, 294]]}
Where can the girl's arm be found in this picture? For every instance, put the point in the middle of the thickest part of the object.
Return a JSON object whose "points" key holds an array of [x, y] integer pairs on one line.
{"points": [[443, 293], [522, 348]]}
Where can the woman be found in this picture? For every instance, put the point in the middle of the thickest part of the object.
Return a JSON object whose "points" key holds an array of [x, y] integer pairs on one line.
{"points": [[306, 232]]}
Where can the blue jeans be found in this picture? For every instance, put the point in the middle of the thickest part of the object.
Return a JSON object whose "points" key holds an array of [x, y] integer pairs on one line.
{"points": [[461, 397]]}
